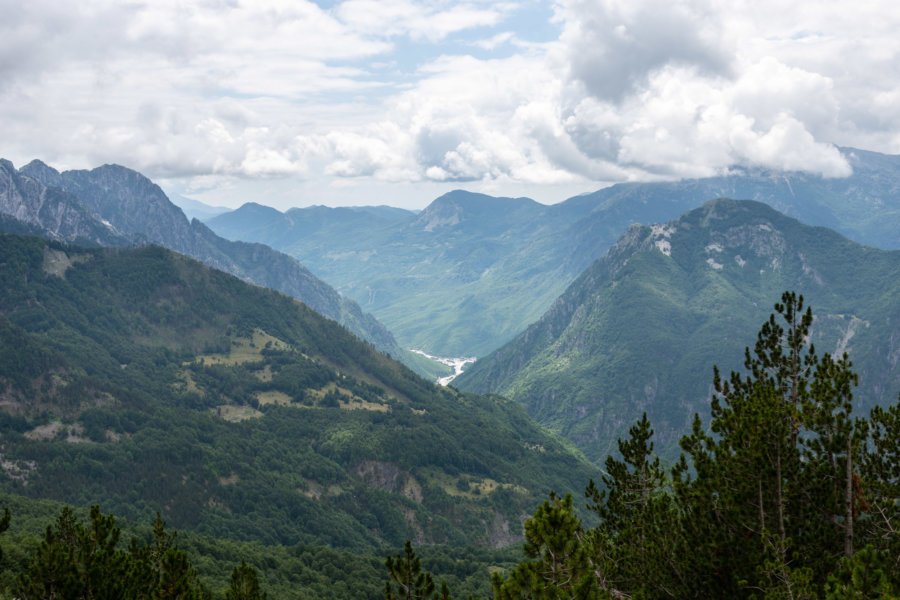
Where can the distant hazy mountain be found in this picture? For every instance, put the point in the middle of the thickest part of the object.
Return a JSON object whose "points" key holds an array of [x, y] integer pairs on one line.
{"points": [[144, 381], [470, 271], [641, 328], [254, 222], [194, 209], [113, 205], [456, 279], [864, 207]]}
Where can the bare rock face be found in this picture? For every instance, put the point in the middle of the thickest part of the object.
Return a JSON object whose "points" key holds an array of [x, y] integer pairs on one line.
{"points": [[390, 478], [58, 214], [41, 171], [133, 204], [378, 474], [500, 534]]}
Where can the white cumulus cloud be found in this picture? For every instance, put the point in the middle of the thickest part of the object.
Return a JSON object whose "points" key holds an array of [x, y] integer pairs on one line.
{"points": [[413, 92]]}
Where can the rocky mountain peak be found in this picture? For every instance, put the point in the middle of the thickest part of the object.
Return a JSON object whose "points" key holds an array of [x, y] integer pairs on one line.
{"points": [[635, 237], [25, 197], [42, 172]]}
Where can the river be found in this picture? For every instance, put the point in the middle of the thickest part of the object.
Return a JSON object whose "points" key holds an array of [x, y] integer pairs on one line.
{"points": [[457, 364]]}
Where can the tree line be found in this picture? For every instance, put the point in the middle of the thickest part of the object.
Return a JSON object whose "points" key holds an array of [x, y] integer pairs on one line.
{"points": [[78, 560]]}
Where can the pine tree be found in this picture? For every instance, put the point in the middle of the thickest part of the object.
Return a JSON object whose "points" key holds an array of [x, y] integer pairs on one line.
{"points": [[880, 483], [638, 542], [862, 577], [561, 563], [410, 581], [741, 501], [832, 449], [774, 500], [177, 578], [244, 584], [78, 562]]}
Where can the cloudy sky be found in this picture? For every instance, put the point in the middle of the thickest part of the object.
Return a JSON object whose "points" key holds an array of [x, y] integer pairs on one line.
{"points": [[298, 102]]}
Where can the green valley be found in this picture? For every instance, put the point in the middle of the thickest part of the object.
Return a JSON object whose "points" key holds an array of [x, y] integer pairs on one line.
{"points": [[143, 381], [465, 274]]}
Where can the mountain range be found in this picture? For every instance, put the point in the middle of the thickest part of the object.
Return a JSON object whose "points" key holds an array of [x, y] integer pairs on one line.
{"points": [[144, 381], [640, 330], [115, 206], [471, 271], [134, 376]]}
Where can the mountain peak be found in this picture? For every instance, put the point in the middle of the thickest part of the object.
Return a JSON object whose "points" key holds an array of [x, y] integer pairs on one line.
{"points": [[41, 171], [38, 164], [458, 206], [721, 212], [254, 208], [125, 176]]}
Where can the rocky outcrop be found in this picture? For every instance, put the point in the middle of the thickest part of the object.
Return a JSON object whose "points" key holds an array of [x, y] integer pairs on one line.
{"points": [[56, 213], [390, 478]]}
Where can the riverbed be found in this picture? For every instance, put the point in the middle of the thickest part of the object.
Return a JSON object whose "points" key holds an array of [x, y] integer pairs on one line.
{"points": [[457, 364]]}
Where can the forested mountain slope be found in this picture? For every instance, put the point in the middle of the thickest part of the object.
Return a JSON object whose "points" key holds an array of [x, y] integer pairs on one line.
{"points": [[115, 206], [641, 328], [144, 381]]}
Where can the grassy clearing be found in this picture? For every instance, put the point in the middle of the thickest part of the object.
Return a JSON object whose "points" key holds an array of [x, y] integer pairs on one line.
{"points": [[234, 414], [470, 487], [57, 262], [265, 374], [274, 397], [314, 490], [230, 480], [244, 350], [364, 405], [45, 432], [347, 402], [186, 384]]}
